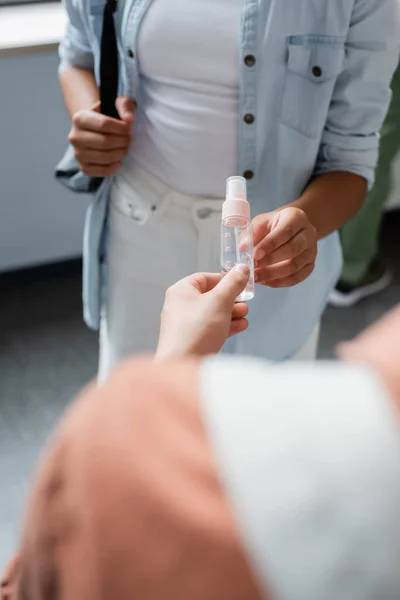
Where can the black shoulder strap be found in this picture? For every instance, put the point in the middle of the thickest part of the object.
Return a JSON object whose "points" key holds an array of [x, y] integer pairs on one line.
{"points": [[109, 62]]}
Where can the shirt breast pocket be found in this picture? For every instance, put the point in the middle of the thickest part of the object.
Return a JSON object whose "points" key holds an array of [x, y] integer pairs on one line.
{"points": [[313, 64]]}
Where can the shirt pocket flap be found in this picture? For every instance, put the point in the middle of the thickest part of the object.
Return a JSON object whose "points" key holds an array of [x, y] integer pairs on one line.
{"points": [[317, 58]]}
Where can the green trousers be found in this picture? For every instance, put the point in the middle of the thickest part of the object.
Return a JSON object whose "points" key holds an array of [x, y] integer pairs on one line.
{"points": [[360, 236]]}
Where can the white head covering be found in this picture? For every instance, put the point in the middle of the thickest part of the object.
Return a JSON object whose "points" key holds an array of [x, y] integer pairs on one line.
{"points": [[309, 456]]}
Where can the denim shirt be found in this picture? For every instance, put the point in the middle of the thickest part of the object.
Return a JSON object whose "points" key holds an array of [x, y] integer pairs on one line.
{"points": [[316, 76]]}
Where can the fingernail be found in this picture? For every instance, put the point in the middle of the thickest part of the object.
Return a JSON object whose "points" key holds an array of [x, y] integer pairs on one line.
{"points": [[243, 269]]}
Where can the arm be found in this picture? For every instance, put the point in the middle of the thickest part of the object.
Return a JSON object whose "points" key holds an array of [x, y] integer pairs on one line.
{"points": [[286, 240], [349, 147], [331, 200], [100, 143], [76, 69], [79, 89]]}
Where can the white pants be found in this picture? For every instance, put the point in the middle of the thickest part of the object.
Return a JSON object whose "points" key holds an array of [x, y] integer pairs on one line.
{"points": [[156, 236]]}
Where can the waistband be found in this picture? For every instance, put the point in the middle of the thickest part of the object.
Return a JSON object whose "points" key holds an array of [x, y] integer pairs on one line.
{"points": [[146, 185]]}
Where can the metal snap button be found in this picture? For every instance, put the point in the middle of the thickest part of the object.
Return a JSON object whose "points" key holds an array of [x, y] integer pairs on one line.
{"points": [[317, 71], [248, 174], [250, 60], [249, 119], [131, 53]]}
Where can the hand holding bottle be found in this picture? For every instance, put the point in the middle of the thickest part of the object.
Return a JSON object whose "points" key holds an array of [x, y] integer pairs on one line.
{"points": [[101, 142], [200, 313], [285, 245]]}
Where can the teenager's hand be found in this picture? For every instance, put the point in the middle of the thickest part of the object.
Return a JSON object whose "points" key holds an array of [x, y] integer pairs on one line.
{"points": [[285, 247], [101, 142], [200, 313]]}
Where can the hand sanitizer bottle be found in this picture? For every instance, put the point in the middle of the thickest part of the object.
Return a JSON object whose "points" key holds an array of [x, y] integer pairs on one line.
{"points": [[237, 233]]}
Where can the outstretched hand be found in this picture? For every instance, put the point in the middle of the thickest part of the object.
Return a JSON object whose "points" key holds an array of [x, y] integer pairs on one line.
{"points": [[200, 313]]}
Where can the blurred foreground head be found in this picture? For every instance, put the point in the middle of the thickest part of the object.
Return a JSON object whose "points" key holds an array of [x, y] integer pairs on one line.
{"points": [[229, 479]]}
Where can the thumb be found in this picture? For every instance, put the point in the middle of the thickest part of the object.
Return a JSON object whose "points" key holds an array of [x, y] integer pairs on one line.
{"points": [[126, 108], [231, 285]]}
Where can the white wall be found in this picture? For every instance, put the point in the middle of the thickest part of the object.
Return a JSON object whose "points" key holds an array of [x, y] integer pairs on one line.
{"points": [[39, 220]]}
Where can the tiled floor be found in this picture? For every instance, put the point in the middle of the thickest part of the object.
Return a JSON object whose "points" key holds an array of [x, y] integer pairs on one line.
{"points": [[46, 355]]}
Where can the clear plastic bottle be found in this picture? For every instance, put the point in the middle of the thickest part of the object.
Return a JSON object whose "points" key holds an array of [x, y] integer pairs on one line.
{"points": [[237, 233]]}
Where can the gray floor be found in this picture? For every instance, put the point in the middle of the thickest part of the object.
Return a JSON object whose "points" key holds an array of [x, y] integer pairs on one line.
{"points": [[46, 355]]}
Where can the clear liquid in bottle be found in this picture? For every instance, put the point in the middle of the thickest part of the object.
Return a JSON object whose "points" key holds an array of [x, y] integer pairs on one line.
{"points": [[237, 233]]}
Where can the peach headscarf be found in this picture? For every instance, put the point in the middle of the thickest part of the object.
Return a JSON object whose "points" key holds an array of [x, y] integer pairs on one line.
{"points": [[128, 504]]}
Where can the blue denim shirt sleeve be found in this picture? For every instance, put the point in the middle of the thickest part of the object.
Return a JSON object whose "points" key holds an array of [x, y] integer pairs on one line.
{"points": [[350, 141], [75, 49]]}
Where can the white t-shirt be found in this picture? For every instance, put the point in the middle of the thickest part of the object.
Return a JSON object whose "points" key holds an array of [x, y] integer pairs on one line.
{"points": [[186, 129]]}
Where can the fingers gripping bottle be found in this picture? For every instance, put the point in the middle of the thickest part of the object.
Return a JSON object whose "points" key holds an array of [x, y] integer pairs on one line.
{"points": [[237, 233]]}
